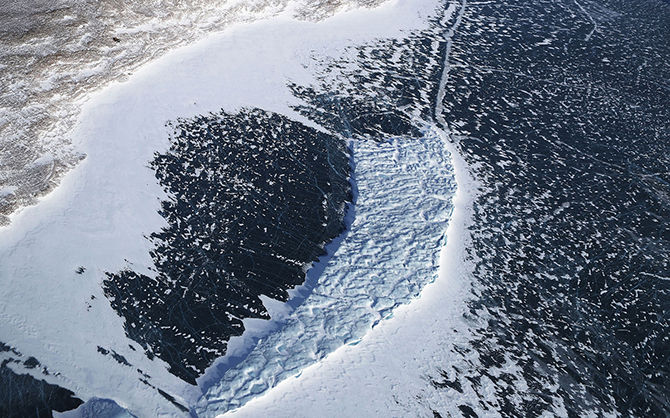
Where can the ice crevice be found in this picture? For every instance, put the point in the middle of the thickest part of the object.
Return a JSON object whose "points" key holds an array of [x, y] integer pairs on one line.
{"points": [[403, 206]]}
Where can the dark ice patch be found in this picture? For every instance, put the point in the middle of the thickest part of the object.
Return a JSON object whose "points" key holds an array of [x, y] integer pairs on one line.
{"points": [[31, 363], [467, 411], [563, 110], [116, 356], [173, 401], [23, 396], [254, 198]]}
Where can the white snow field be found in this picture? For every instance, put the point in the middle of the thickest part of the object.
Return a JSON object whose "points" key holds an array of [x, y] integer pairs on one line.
{"points": [[99, 216], [54, 53]]}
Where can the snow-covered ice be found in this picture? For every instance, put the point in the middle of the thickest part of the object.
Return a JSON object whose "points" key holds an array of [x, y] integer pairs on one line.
{"points": [[387, 372]]}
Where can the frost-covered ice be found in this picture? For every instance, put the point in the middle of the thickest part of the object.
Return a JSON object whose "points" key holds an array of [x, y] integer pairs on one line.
{"points": [[391, 252]]}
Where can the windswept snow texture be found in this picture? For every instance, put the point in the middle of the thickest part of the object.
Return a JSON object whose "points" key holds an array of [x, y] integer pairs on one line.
{"points": [[391, 252], [254, 197]]}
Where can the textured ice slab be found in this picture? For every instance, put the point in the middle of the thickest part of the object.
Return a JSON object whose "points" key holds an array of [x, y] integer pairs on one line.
{"points": [[405, 188]]}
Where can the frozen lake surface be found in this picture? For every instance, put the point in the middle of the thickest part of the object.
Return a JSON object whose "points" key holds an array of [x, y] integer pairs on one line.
{"points": [[524, 143]]}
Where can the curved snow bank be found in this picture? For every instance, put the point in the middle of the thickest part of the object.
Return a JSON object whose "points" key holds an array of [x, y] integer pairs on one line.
{"points": [[405, 188], [395, 369]]}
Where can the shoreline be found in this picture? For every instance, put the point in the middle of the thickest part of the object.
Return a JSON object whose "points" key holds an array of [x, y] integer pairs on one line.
{"points": [[102, 209], [378, 375]]}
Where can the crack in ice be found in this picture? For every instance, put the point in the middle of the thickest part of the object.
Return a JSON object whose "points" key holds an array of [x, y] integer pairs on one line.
{"points": [[439, 106]]}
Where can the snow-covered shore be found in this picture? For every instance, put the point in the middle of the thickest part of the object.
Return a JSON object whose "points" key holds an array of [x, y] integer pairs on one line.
{"points": [[100, 215]]}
